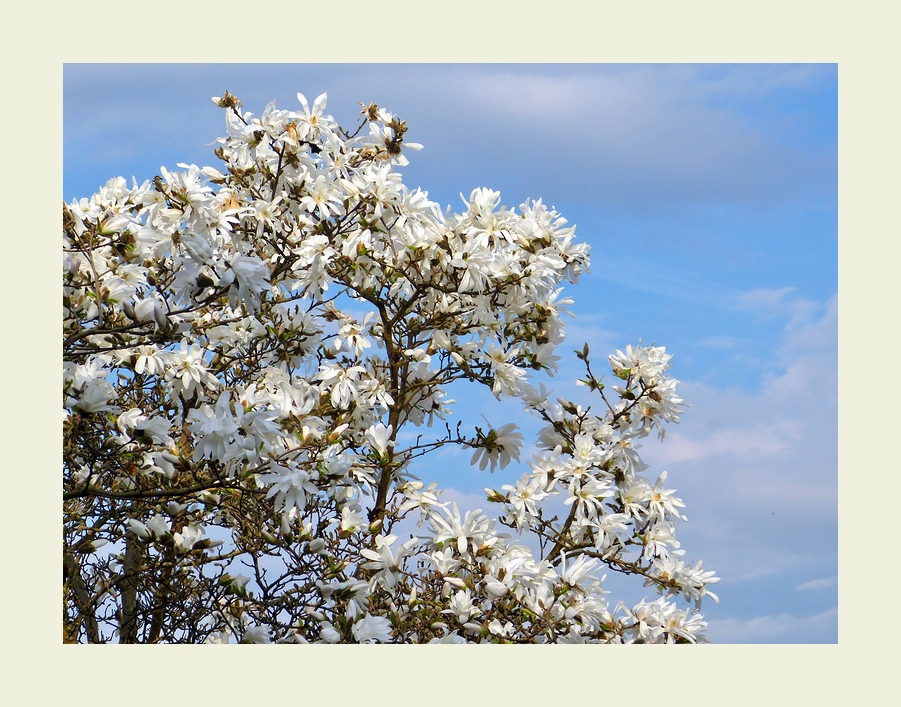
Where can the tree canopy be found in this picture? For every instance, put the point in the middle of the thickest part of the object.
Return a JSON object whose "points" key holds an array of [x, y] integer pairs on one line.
{"points": [[258, 356]]}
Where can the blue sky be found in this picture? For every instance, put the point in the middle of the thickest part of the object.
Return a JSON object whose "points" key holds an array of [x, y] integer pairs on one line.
{"points": [[709, 196]]}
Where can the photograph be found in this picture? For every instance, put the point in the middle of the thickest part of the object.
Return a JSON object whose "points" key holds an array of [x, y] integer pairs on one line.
{"points": [[405, 353]]}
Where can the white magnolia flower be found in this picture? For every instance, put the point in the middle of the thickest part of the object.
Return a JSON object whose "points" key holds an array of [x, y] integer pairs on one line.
{"points": [[352, 518], [501, 445], [499, 629], [342, 382], [95, 397], [578, 570], [138, 528], [469, 534], [525, 498], [310, 124], [379, 437], [328, 633], [290, 486], [249, 277], [372, 629], [152, 361], [256, 634], [386, 563], [423, 499], [157, 526], [188, 537], [151, 309], [452, 637], [462, 607], [188, 374]]}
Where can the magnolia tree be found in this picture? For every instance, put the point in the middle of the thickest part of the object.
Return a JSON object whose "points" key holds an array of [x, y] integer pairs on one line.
{"points": [[257, 357]]}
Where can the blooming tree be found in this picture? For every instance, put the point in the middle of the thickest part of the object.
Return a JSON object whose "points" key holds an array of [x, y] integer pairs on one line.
{"points": [[254, 362]]}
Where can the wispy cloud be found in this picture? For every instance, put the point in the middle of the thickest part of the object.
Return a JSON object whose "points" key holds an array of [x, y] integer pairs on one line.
{"points": [[817, 584], [779, 628], [757, 442], [725, 343], [759, 472], [770, 304], [643, 136], [660, 279], [668, 129]]}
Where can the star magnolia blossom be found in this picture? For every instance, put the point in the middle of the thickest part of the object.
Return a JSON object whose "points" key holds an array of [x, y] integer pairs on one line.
{"points": [[254, 356]]}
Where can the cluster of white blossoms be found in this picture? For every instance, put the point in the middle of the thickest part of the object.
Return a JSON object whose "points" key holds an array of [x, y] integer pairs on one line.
{"points": [[243, 347]]}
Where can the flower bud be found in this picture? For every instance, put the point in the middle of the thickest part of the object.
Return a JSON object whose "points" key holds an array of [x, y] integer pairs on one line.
{"points": [[335, 434]]}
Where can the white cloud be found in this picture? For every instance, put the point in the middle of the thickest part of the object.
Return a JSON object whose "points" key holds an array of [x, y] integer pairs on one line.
{"points": [[465, 501], [667, 129], [759, 441], [817, 584], [797, 396], [780, 628], [769, 304], [759, 470], [659, 279], [630, 136]]}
